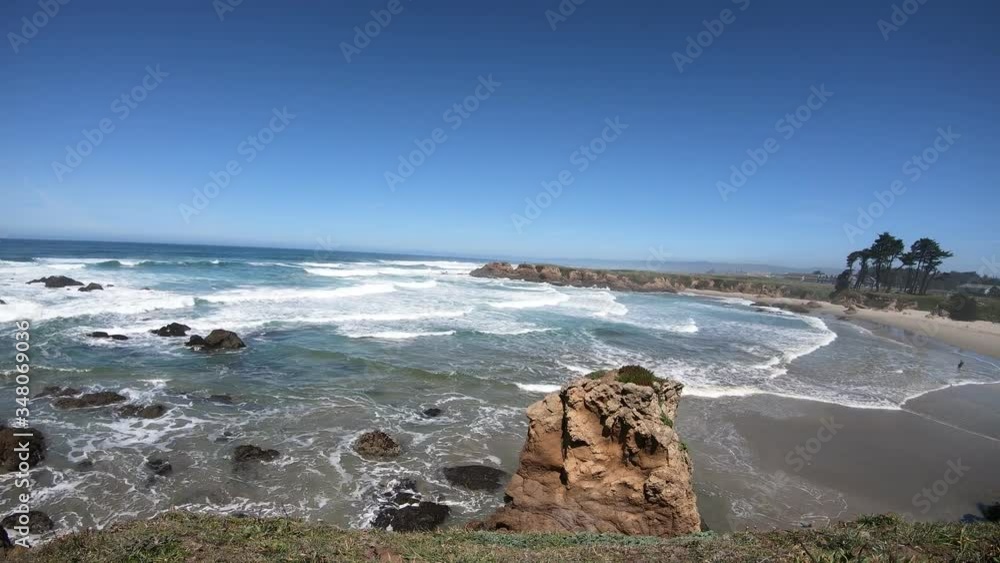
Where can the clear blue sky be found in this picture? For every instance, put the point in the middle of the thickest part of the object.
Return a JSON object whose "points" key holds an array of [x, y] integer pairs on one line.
{"points": [[655, 186]]}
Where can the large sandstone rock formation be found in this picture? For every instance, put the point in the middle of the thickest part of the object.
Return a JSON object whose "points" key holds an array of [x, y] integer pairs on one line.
{"points": [[602, 456]]}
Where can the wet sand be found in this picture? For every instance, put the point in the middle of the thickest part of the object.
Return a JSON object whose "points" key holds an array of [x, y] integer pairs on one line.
{"points": [[981, 337], [771, 461]]}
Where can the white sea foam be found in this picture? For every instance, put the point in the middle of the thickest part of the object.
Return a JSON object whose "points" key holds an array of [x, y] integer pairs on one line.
{"points": [[538, 387], [287, 294], [551, 300], [342, 273], [399, 335]]}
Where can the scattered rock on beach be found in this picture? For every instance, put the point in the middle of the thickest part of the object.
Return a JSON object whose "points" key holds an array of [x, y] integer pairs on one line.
{"points": [[9, 459], [377, 444], [99, 399], [142, 411], [159, 466], [92, 287], [56, 281], [38, 521], [402, 509], [475, 477], [432, 412], [172, 329], [247, 453]]}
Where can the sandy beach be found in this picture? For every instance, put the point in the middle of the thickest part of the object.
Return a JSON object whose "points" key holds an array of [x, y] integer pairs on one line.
{"points": [[792, 462], [981, 337]]}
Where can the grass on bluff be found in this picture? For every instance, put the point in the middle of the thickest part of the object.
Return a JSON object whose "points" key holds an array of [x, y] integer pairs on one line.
{"points": [[636, 374], [183, 536]]}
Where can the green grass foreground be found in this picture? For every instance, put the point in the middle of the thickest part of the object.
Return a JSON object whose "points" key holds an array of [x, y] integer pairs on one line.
{"points": [[181, 536]]}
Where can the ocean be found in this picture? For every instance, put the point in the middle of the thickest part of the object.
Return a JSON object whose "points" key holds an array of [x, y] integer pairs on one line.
{"points": [[340, 343]]}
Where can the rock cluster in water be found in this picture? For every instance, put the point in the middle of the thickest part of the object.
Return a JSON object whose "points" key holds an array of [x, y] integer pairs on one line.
{"points": [[55, 282], [403, 509], [602, 456]]}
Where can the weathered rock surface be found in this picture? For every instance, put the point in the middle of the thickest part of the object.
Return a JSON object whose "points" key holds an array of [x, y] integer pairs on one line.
{"points": [[475, 477], [243, 454], [402, 509], [220, 339], [92, 287], [602, 456], [142, 411], [56, 281], [38, 522], [554, 275], [377, 444], [9, 459], [99, 399], [172, 329]]}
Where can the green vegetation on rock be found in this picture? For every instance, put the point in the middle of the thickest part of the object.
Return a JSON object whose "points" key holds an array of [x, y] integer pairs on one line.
{"points": [[636, 374]]}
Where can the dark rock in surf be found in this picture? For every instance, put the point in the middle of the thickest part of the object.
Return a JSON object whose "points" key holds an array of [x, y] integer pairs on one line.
{"points": [[244, 454], [142, 411], [56, 281], [377, 444], [432, 412], [159, 466], [102, 334], [85, 465], [5, 542], [402, 509], [56, 391], [38, 521], [99, 399], [92, 287], [475, 477], [221, 399], [172, 329], [9, 459], [195, 340], [2, 302], [220, 339]]}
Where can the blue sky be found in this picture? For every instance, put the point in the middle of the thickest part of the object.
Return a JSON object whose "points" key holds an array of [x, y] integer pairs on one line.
{"points": [[656, 185]]}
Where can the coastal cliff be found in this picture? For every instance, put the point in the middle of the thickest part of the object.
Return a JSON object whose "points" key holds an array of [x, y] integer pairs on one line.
{"points": [[630, 280], [602, 456]]}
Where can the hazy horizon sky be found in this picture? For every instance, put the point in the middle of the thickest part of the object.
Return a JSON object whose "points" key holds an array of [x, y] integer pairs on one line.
{"points": [[309, 119]]}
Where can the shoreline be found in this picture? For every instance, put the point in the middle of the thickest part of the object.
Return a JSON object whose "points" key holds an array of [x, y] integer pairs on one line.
{"points": [[981, 337]]}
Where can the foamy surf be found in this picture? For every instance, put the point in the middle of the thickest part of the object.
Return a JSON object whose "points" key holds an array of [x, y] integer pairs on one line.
{"points": [[538, 387]]}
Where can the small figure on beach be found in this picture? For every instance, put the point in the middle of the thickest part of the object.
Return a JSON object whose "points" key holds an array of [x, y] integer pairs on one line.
{"points": [[960, 364]]}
